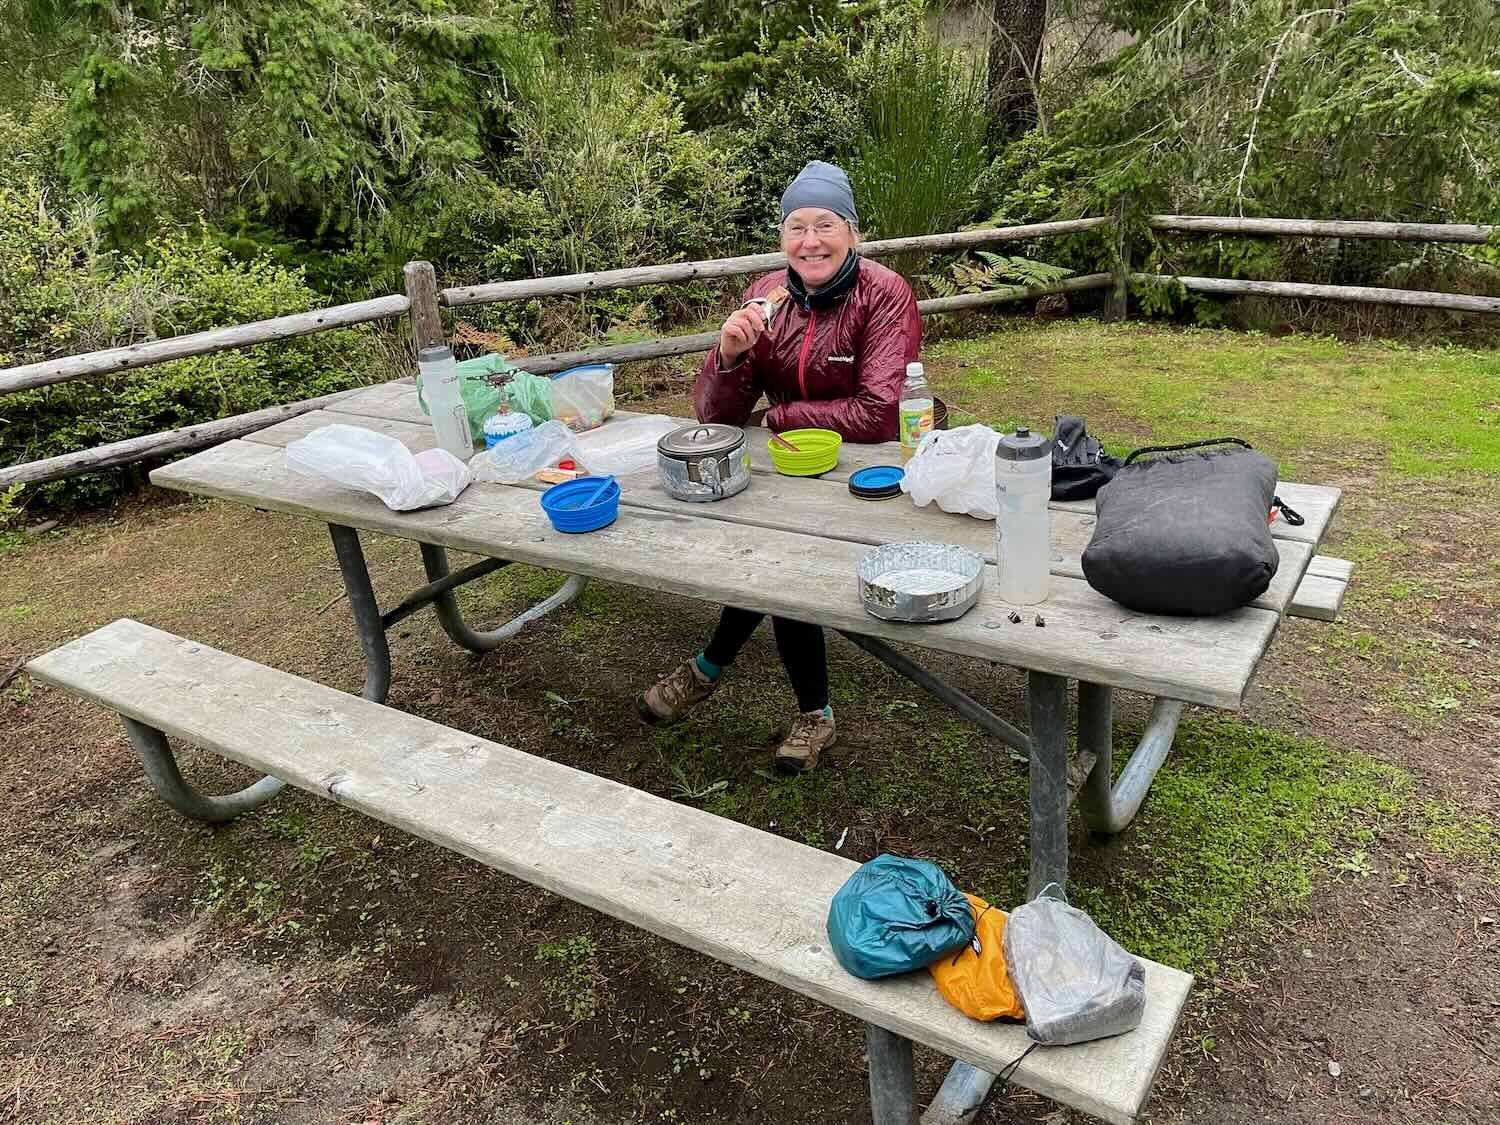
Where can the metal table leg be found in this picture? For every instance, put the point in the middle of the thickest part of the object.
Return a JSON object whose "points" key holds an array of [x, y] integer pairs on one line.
{"points": [[1049, 782], [161, 771], [960, 1097], [1106, 806], [435, 559], [964, 704], [371, 625], [367, 621], [893, 1087]]}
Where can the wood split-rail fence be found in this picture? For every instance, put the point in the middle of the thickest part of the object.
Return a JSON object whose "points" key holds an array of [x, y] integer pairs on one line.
{"points": [[424, 301]]}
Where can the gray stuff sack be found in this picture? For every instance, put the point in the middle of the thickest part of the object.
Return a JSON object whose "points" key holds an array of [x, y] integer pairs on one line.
{"points": [[1073, 979], [1186, 532]]}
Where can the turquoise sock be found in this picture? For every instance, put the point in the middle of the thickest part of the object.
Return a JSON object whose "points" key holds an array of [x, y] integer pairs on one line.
{"points": [[708, 667], [828, 711]]}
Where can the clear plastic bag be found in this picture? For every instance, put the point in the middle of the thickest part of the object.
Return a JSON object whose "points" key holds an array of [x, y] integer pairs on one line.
{"points": [[520, 456], [627, 445], [372, 462], [1073, 979], [583, 397], [955, 468]]}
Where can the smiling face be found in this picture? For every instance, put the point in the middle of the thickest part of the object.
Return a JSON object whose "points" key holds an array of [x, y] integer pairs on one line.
{"points": [[816, 242]]}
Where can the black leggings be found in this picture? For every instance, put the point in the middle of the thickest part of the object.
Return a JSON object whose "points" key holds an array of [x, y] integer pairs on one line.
{"points": [[800, 645]]}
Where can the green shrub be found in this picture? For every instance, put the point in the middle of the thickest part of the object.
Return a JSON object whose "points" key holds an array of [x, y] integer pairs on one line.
{"points": [[1376, 109], [900, 112], [720, 51], [924, 116], [809, 115], [605, 175], [60, 294]]}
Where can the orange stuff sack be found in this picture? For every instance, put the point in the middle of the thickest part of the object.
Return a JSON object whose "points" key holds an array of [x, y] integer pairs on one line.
{"points": [[974, 979]]}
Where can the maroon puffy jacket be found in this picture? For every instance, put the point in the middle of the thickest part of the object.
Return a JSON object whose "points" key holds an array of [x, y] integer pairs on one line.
{"points": [[835, 368]]}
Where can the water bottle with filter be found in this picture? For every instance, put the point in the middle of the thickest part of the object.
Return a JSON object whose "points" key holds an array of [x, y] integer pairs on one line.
{"points": [[443, 393], [915, 410], [1023, 486]]}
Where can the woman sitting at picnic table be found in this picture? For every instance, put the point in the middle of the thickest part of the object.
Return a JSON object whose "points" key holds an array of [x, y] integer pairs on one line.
{"points": [[834, 357]]}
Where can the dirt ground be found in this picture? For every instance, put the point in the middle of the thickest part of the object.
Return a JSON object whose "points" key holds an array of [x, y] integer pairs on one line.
{"points": [[305, 964]]}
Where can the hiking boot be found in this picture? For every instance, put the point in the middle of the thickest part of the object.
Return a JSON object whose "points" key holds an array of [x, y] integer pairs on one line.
{"points": [[676, 693], [812, 733]]}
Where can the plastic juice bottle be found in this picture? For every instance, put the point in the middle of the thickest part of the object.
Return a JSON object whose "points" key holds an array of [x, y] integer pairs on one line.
{"points": [[916, 410], [443, 394], [1023, 486]]}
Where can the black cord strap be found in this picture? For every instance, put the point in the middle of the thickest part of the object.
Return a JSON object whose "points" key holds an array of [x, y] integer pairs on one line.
{"points": [[1188, 445]]}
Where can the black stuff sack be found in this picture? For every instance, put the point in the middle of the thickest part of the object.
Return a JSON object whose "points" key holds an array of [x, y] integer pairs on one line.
{"points": [[1080, 465], [1185, 531]]}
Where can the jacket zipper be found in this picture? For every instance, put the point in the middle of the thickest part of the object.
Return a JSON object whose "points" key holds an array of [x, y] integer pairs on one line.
{"points": [[812, 319]]}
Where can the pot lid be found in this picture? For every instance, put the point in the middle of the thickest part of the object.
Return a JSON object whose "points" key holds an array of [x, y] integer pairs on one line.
{"points": [[1023, 445], [707, 440]]}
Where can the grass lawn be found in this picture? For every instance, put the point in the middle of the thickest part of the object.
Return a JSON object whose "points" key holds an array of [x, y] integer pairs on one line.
{"points": [[1326, 861]]}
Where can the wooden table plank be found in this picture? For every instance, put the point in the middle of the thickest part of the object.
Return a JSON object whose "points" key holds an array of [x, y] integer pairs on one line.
{"points": [[1201, 660], [811, 506]]}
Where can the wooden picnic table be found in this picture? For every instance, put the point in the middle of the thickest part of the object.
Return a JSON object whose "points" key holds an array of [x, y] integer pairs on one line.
{"points": [[789, 546]]}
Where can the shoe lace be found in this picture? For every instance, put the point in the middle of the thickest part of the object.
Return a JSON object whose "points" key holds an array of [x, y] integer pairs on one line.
{"points": [[804, 727]]}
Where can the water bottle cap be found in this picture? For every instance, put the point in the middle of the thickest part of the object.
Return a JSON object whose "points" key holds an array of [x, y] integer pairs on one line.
{"points": [[1023, 445], [914, 369]]}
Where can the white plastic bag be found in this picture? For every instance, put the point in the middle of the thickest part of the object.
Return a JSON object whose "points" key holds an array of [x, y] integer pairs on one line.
{"points": [[444, 470], [626, 445], [583, 397], [371, 462], [1073, 979], [519, 456], [956, 468]]}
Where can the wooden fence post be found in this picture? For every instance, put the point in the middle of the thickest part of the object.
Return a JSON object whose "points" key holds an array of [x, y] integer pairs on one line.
{"points": [[426, 318], [1115, 305]]}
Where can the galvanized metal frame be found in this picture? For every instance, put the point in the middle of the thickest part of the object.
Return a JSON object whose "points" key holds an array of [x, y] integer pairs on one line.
{"points": [[371, 625], [161, 771]]}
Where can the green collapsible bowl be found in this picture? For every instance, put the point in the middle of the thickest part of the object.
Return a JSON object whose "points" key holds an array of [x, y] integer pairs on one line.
{"points": [[817, 452]]}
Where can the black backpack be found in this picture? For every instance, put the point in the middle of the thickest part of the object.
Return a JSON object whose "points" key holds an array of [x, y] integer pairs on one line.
{"points": [[1080, 466]]}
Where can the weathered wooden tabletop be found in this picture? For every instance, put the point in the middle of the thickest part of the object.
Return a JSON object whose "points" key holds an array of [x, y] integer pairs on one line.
{"points": [[790, 546]]}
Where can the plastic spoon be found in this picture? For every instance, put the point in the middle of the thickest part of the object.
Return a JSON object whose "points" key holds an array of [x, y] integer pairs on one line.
{"points": [[589, 500]]}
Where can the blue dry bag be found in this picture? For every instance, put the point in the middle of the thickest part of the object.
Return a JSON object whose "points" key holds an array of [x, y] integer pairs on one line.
{"points": [[894, 915]]}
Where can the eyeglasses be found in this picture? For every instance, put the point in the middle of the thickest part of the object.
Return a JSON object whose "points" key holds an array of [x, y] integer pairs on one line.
{"points": [[827, 228]]}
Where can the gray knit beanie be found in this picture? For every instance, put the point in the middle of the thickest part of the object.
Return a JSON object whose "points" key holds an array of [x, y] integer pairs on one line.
{"points": [[820, 184]]}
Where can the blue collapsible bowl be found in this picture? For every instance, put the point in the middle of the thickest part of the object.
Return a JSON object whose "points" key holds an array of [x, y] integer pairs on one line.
{"points": [[561, 503], [878, 482]]}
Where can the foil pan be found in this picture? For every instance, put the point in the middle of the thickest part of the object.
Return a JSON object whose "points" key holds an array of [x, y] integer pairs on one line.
{"points": [[920, 582]]}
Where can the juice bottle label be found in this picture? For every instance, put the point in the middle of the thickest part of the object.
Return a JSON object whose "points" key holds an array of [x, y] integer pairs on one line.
{"points": [[915, 424]]}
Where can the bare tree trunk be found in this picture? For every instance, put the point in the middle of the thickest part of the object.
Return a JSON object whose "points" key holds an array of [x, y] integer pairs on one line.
{"points": [[1015, 64], [564, 18]]}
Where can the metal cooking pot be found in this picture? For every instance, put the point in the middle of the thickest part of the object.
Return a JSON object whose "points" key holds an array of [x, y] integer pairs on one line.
{"points": [[705, 462]]}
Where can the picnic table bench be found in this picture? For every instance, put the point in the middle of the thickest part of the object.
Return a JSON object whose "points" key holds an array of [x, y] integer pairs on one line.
{"points": [[745, 897], [785, 546]]}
